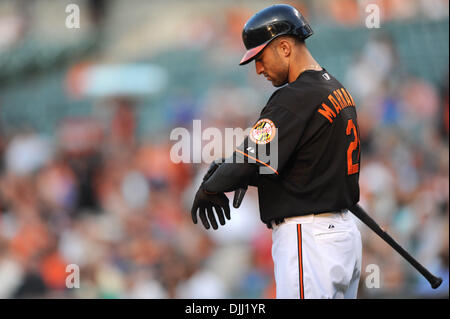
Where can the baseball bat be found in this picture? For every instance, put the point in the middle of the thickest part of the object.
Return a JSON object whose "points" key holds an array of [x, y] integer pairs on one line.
{"points": [[359, 212]]}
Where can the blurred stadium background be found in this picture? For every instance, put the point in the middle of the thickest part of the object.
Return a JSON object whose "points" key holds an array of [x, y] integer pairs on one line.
{"points": [[85, 119]]}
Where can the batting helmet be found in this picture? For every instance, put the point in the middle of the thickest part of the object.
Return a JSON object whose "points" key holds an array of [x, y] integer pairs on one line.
{"points": [[270, 23]]}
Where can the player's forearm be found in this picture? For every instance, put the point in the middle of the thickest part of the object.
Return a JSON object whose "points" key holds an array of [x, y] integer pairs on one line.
{"points": [[231, 176]]}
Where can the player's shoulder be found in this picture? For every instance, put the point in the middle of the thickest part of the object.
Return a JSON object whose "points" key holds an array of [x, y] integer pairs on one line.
{"points": [[306, 92]]}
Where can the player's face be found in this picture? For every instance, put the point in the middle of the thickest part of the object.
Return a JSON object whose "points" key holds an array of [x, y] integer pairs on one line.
{"points": [[272, 66]]}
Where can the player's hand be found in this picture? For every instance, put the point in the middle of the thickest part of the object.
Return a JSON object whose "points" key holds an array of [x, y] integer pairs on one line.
{"points": [[206, 204], [238, 194]]}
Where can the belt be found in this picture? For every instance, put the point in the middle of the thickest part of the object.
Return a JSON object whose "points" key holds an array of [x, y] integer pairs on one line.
{"points": [[279, 221]]}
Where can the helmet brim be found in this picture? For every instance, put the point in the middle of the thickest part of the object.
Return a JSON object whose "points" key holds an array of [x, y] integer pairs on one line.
{"points": [[252, 53]]}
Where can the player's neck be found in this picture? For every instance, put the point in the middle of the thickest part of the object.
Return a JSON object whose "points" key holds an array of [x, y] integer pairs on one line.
{"points": [[303, 60]]}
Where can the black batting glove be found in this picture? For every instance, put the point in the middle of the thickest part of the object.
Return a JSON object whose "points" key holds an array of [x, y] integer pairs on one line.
{"points": [[212, 168], [206, 203], [239, 196]]}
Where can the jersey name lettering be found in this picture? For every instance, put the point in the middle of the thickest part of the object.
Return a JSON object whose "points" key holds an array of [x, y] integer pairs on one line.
{"points": [[337, 100]]}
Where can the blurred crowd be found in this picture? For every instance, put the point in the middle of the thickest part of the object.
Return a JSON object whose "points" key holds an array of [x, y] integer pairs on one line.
{"points": [[119, 209], [97, 195], [404, 178]]}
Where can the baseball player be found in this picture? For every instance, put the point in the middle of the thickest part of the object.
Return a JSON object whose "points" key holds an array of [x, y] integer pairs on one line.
{"points": [[303, 155]]}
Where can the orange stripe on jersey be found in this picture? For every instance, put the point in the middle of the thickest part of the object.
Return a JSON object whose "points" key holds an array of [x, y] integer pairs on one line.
{"points": [[254, 158], [300, 260]]}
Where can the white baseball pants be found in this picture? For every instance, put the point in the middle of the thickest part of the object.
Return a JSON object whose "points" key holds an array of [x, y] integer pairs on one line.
{"points": [[317, 256]]}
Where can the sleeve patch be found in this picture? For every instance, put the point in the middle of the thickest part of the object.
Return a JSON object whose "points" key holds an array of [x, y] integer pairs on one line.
{"points": [[263, 132]]}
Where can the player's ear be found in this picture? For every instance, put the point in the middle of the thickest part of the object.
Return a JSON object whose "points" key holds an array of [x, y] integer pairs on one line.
{"points": [[285, 47]]}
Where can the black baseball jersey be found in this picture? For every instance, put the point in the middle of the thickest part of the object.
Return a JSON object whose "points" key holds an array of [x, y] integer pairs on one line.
{"points": [[306, 142]]}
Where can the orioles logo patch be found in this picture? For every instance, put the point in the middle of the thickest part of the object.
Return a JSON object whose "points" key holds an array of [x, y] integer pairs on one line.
{"points": [[263, 131]]}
